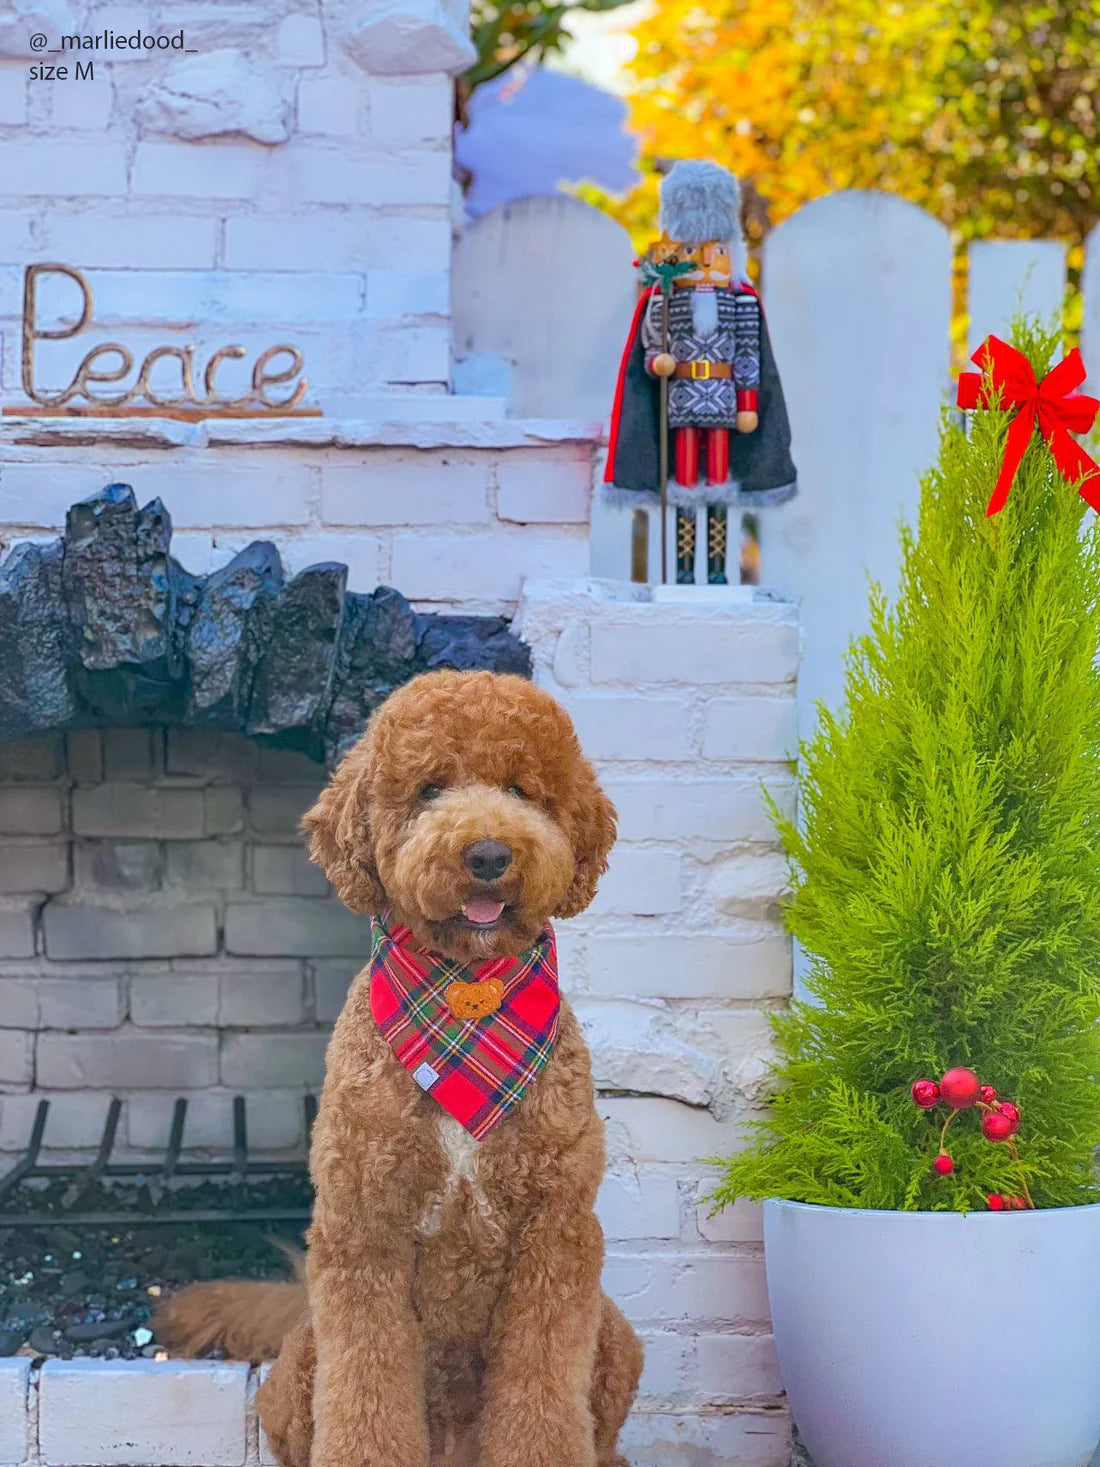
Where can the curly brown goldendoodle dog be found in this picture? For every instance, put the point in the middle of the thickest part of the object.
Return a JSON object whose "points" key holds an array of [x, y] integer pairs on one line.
{"points": [[452, 1311]]}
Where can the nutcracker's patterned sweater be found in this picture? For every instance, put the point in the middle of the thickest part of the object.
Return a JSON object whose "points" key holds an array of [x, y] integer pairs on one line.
{"points": [[706, 324]]}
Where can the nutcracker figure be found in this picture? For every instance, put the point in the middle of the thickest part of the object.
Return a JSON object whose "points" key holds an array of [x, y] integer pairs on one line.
{"points": [[698, 363]]}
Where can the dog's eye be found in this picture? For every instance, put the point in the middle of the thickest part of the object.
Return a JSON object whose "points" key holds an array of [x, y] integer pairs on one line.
{"points": [[518, 791], [430, 792]]}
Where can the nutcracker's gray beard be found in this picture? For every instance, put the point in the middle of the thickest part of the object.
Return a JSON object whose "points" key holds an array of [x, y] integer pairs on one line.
{"points": [[704, 312]]}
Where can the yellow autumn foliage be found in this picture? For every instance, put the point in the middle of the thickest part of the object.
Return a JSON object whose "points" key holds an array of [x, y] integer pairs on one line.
{"points": [[985, 112]]}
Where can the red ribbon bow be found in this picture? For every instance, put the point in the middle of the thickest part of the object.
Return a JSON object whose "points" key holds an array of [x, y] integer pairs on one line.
{"points": [[1059, 410]]}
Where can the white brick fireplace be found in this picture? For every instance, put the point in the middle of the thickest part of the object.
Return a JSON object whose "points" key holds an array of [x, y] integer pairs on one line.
{"points": [[177, 942], [161, 933]]}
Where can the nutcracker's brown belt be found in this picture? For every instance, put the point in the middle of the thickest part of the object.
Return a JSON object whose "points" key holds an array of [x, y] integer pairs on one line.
{"points": [[703, 371]]}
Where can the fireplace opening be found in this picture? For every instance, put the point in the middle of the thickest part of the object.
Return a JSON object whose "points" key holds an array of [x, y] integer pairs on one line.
{"points": [[170, 961]]}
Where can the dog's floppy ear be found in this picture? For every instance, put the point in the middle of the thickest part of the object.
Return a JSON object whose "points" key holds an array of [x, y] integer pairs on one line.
{"points": [[338, 828], [590, 818]]}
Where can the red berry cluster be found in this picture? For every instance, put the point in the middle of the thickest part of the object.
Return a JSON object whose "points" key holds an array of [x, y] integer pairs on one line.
{"points": [[961, 1089]]}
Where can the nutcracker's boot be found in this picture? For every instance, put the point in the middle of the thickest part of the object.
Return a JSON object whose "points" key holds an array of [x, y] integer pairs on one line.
{"points": [[717, 544], [718, 471], [685, 546]]}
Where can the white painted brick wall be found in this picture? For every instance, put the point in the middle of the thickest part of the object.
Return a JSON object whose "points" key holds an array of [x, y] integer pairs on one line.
{"points": [[15, 1442], [750, 728], [129, 1059], [552, 488], [738, 1367], [295, 925], [273, 1061], [729, 965], [17, 937], [277, 146], [337, 241], [331, 978], [692, 646], [37, 167], [687, 711], [409, 112], [689, 1287], [331, 106], [645, 1127], [747, 1437], [30, 811], [152, 930], [16, 1057], [95, 1413], [300, 41], [632, 1206], [720, 810], [640, 883], [610, 729], [181, 170], [433, 568], [170, 239]]}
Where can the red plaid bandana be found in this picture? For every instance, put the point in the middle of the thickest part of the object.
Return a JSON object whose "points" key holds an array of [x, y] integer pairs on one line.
{"points": [[477, 1069]]}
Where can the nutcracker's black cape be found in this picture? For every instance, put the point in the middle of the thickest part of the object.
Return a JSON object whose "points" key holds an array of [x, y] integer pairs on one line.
{"points": [[760, 462]]}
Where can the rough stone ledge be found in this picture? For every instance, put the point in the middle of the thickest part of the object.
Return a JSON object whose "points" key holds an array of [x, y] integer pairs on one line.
{"points": [[104, 627], [413, 432], [97, 1413]]}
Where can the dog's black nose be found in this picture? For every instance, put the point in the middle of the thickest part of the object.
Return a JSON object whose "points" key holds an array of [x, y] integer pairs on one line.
{"points": [[487, 859]]}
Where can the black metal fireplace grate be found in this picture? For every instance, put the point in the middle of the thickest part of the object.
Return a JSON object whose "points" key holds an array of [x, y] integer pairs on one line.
{"points": [[237, 1171]]}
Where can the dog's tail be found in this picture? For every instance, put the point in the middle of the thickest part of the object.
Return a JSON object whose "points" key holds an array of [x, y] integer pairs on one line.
{"points": [[248, 1320]]}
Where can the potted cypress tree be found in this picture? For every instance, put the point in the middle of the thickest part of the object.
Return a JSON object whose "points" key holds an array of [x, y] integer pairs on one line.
{"points": [[927, 1163]]}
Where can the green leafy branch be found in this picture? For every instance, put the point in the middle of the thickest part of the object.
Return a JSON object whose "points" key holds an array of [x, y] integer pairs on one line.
{"points": [[520, 30]]}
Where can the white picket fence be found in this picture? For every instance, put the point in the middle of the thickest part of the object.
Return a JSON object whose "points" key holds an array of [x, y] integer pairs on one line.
{"points": [[857, 288]]}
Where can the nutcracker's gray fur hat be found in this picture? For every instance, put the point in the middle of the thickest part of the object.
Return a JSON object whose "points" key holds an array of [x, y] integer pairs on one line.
{"points": [[701, 201]]}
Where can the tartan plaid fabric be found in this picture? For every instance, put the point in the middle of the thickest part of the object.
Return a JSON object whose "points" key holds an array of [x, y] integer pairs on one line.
{"points": [[477, 1069]]}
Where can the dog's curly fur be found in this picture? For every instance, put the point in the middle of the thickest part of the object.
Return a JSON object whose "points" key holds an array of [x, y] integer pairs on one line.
{"points": [[452, 1311]]}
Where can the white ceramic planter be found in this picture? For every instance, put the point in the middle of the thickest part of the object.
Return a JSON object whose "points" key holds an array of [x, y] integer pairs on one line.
{"points": [[928, 1339]]}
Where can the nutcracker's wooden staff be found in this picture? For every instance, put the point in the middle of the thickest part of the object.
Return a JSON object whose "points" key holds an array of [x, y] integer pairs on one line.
{"points": [[664, 440], [665, 273]]}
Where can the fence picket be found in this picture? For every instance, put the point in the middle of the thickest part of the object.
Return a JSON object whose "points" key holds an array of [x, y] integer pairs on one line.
{"points": [[1011, 275], [858, 292], [548, 284], [1090, 322]]}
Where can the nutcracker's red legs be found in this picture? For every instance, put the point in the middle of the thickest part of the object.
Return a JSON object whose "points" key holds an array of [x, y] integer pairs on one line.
{"points": [[687, 457], [717, 449], [718, 455]]}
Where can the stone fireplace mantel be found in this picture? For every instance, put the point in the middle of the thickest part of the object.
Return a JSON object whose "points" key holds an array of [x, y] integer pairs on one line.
{"points": [[436, 423], [104, 627]]}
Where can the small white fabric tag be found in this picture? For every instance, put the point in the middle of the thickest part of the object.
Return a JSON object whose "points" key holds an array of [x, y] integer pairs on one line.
{"points": [[425, 1076]]}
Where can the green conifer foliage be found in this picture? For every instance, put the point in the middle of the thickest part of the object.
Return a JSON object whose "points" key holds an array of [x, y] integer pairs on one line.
{"points": [[947, 872]]}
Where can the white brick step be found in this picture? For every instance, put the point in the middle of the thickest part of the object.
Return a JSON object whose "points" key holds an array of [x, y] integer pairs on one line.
{"points": [[201, 1413]]}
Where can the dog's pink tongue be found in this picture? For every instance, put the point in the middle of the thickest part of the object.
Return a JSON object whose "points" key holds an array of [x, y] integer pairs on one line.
{"points": [[481, 909]]}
